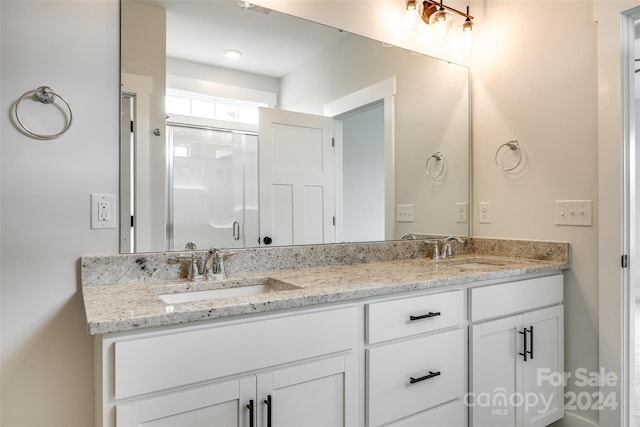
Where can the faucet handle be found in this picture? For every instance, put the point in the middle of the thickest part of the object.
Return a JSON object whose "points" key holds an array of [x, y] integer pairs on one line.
{"points": [[436, 251], [193, 273]]}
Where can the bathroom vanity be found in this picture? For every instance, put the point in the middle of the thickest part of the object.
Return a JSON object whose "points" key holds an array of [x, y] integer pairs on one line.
{"points": [[382, 335]]}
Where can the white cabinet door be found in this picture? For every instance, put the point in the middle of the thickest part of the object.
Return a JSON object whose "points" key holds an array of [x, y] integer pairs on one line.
{"points": [[494, 374], [509, 359], [546, 343], [319, 393], [217, 405]]}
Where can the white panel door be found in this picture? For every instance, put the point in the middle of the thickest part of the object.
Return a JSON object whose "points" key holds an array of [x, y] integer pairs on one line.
{"points": [[296, 178]]}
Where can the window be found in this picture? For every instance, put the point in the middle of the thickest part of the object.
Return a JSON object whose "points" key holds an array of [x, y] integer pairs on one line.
{"points": [[210, 107]]}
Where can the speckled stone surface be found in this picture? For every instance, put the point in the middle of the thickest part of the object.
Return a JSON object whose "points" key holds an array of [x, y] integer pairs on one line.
{"points": [[122, 292]]}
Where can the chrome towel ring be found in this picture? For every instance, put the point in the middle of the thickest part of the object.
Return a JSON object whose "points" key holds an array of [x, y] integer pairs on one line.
{"points": [[432, 161], [512, 144], [46, 95]]}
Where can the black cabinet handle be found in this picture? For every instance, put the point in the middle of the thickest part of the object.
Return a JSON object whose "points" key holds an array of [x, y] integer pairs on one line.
{"points": [[250, 408], [267, 240], [426, 377], [268, 403], [425, 316], [525, 352]]}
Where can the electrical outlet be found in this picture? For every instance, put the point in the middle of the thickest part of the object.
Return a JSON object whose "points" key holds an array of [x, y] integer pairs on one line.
{"points": [[573, 212], [103, 211], [485, 212], [462, 212], [404, 213]]}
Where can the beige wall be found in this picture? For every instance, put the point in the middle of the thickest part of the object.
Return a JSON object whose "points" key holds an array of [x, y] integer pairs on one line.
{"points": [[428, 118], [535, 80]]}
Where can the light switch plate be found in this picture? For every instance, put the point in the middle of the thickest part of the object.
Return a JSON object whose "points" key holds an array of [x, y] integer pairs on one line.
{"points": [[404, 213], [103, 211], [573, 212]]}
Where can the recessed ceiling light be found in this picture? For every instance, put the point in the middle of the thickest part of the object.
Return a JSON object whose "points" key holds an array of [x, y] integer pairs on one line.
{"points": [[245, 4], [232, 53]]}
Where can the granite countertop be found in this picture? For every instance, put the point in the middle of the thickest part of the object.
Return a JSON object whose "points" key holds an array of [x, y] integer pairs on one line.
{"points": [[117, 307]]}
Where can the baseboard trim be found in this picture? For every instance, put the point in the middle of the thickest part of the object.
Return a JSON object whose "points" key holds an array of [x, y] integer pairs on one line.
{"points": [[571, 419]]}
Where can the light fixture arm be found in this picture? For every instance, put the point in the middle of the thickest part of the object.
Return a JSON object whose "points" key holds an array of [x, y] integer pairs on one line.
{"points": [[435, 4]]}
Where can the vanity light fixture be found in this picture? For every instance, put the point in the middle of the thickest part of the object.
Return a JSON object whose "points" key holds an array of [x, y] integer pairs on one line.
{"points": [[232, 54], [437, 13]]}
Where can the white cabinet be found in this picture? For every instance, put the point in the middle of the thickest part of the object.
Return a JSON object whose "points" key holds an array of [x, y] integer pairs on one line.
{"points": [[309, 394], [293, 370], [222, 404], [511, 358], [420, 362]]}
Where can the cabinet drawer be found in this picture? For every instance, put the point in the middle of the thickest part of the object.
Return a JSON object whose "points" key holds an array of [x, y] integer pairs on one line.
{"points": [[513, 297], [410, 316], [435, 362], [156, 363]]}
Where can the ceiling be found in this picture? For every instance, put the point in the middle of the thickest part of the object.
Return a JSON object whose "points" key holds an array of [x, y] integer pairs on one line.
{"points": [[272, 43]]}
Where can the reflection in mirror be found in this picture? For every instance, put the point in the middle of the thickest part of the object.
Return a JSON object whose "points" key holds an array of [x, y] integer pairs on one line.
{"points": [[311, 135]]}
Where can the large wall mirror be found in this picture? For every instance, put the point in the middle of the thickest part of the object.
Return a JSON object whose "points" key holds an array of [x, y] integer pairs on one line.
{"points": [[300, 134]]}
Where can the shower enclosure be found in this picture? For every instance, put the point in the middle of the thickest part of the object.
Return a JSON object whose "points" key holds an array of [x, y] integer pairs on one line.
{"points": [[212, 187]]}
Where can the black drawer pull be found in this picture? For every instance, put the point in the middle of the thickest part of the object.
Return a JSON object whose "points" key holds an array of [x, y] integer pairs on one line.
{"points": [[425, 316], [426, 377]]}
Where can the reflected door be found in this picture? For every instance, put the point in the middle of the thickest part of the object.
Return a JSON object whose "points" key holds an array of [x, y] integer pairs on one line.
{"points": [[296, 178], [213, 188]]}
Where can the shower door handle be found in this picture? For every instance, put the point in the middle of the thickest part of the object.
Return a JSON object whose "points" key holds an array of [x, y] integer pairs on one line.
{"points": [[236, 230]]}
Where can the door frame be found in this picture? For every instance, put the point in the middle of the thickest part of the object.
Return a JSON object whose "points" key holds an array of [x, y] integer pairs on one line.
{"points": [[630, 212], [616, 208], [384, 90]]}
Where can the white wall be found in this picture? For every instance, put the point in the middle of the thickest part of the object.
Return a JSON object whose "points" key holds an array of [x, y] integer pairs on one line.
{"points": [[47, 356], [363, 175]]}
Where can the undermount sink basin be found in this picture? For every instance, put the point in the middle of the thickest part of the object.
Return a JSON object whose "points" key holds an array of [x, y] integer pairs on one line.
{"points": [[229, 289], [473, 264]]}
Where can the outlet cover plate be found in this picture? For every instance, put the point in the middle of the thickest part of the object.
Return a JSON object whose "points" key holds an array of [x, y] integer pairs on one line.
{"points": [[462, 212], [485, 212], [103, 211]]}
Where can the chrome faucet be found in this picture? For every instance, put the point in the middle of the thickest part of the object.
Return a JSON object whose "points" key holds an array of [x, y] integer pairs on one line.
{"points": [[446, 246], [208, 266], [214, 264], [442, 250]]}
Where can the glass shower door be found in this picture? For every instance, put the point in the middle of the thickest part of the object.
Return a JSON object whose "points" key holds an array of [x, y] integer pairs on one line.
{"points": [[212, 187]]}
